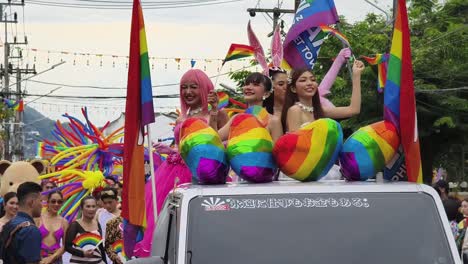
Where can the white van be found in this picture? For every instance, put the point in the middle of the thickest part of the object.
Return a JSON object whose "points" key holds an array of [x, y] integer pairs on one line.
{"points": [[301, 223]]}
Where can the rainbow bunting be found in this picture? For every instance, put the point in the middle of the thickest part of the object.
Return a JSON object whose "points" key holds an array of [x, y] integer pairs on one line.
{"points": [[87, 239], [15, 105], [399, 99], [381, 60], [139, 112], [237, 51], [336, 33]]}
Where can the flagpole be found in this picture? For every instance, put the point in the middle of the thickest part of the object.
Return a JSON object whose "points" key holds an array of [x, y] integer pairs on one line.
{"points": [[217, 76], [347, 61], [153, 179]]}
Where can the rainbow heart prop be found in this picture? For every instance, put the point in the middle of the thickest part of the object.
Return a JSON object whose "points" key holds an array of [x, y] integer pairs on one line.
{"points": [[203, 152], [249, 149], [368, 150], [309, 153]]}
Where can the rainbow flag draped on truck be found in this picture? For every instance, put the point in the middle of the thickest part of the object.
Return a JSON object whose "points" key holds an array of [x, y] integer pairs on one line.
{"points": [[399, 98], [139, 112]]}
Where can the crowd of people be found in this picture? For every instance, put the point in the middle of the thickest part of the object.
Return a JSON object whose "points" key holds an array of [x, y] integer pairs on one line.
{"points": [[457, 214], [32, 230]]}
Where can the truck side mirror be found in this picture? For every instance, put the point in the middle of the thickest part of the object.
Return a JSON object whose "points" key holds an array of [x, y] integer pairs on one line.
{"points": [[150, 260]]}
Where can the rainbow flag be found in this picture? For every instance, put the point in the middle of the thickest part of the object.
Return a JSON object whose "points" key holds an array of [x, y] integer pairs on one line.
{"points": [[237, 51], [381, 60], [336, 33], [139, 112], [15, 105], [399, 99]]}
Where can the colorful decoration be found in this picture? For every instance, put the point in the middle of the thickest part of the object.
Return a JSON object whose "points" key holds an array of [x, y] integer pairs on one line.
{"points": [[368, 150], [399, 99], [309, 153], [335, 33], [87, 239], [238, 51], [223, 100], [83, 146], [203, 152], [258, 49], [74, 185], [381, 60], [249, 149], [260, 113], [117, 247], [15, 105]]}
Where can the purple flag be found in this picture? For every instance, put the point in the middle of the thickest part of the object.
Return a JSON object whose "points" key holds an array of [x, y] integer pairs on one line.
{"points": [[302, 44]]}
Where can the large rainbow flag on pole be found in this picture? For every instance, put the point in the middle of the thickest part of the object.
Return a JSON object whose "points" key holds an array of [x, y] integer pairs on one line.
{"points": [[139, 112], [399, 99]]}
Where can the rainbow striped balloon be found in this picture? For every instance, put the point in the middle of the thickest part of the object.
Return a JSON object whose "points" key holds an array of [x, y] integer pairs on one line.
{"points": [[260, 113], [117, 247], [309, 153], [203, 152], [87, 239], [249, 149], [368, 150]]}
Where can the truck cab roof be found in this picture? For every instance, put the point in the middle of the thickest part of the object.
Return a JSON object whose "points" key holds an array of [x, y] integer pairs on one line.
{"points": [[296, 222]]}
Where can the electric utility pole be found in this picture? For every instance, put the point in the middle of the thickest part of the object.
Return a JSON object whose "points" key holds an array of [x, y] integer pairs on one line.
{"points": [[5, 70], [276, 15]]}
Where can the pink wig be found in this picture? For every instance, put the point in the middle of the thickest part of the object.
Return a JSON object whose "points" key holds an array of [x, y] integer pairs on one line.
{"points": [[204, 84]]}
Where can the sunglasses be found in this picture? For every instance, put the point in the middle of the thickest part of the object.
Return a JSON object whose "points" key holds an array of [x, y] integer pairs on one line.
{"points": [[49, 187], [56, 201]]}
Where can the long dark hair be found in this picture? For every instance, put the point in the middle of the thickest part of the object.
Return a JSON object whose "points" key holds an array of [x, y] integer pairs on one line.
{"points": [[291, 98], [7, 197], [54, 192], [269, 102]]}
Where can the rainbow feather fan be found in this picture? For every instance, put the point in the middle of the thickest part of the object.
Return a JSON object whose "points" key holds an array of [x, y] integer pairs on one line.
{"points": [[76, 185], [83, 146]]}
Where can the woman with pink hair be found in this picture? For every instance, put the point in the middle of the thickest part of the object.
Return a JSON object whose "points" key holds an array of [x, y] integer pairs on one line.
{"points": [[196, 92]]}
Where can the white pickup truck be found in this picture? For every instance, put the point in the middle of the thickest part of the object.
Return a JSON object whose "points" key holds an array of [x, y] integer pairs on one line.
{"points": [[301, 223]]}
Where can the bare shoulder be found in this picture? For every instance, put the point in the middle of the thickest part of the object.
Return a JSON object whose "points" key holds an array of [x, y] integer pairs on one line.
{"points": [[294, 110]]}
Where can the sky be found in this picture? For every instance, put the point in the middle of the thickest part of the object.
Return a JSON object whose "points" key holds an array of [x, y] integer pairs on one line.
{"points": [[202, 34]]}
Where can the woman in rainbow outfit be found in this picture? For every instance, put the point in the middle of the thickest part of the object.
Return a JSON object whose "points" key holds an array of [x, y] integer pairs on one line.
{"points": [[303, 105], [196, 93]]}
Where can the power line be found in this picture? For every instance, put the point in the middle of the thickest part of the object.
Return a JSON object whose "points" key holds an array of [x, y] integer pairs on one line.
{"points": [[124, 88], [121, 7]]}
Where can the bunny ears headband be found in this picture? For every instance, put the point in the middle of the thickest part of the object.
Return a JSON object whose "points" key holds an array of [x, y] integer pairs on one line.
{"points": [[276, 51]]}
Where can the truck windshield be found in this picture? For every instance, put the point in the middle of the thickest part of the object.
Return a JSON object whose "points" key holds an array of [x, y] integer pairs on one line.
{"points": [[365, 228]]}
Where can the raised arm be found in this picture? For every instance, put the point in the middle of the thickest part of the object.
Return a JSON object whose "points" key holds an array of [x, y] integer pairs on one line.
{"points": [[354, 107], [329, 79]]}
